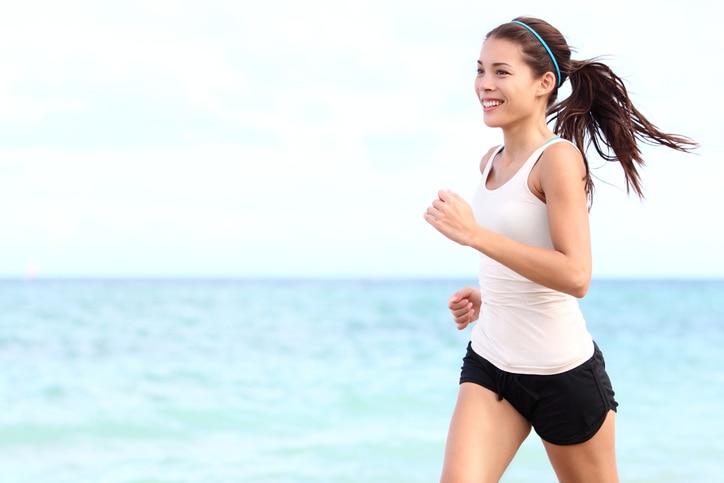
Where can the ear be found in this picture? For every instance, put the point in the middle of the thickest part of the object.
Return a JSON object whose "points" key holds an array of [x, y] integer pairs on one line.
{"points": [[547, 83]]}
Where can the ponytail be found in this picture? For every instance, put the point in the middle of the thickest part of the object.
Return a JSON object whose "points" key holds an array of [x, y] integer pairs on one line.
{"points": [[600, 112]]}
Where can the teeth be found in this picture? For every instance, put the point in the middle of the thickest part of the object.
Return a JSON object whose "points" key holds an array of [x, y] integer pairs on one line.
{"points": [[491, 103]]}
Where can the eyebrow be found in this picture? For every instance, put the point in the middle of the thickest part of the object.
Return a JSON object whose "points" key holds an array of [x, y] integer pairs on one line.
{"points": [[496, 64]]}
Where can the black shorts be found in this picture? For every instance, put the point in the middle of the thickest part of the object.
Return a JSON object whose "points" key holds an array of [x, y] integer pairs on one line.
{"points": [[566, 408]]}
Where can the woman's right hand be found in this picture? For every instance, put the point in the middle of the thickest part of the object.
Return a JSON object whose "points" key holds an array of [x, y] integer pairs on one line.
{"points": [[465, 306]]}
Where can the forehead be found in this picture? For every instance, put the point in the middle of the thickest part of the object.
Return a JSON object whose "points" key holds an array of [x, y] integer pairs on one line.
{"points": [[500, 50]]}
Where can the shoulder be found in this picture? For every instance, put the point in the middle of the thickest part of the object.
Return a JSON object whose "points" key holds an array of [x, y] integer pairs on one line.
{"points": [[560, 169], [487, 157], [561, 158], [562, 149]]}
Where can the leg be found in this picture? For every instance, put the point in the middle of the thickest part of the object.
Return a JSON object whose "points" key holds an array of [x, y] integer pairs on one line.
{"points": [[484, 435], [593, 461]]}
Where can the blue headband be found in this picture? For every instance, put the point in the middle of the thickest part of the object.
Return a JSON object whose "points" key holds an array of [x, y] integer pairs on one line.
{"points": [[543, 42]]}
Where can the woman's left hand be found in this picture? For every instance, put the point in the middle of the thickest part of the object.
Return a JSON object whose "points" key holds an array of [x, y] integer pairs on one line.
{"points": [[452, 216]]}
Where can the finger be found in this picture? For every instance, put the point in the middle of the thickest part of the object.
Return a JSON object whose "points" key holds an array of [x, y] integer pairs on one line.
{"points": [[464, 292], [451, 194], [464, 314], [460, 304], [446, 195], [465, 311]]}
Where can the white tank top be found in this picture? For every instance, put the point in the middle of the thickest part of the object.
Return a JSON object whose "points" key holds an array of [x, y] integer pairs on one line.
{"points": [[524, 327]]}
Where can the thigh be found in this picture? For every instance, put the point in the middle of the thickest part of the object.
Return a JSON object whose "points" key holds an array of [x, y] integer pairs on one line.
{"points": [[484, 435], [591, 462]]}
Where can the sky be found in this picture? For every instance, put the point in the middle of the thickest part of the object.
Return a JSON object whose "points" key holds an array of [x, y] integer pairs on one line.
{"points": [[159, 138]]}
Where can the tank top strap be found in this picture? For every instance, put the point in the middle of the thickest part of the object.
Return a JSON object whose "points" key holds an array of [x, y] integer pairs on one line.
{"points": [[489, 162], [526, 168], [535, 156]]}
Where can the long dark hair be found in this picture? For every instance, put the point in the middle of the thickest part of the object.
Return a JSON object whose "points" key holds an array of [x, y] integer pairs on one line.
{"points": [[598, 111]]}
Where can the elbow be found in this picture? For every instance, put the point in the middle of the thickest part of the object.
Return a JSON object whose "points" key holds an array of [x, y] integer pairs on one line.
{"points": [[579, 285], [577, 281], [580, 291]]}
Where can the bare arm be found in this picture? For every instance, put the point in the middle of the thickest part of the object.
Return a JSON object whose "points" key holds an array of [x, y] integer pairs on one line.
{"points": [[567, 267]]}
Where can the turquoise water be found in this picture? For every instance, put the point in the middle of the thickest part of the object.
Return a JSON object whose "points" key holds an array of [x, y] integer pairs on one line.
{"points": [[318, 381]]}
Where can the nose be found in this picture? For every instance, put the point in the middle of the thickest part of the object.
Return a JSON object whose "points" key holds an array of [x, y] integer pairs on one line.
{"points": [[483, 83]]}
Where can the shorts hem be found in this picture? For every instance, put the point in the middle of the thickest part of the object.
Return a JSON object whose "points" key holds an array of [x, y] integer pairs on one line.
{"points": [[584, 437], [489, 387]]}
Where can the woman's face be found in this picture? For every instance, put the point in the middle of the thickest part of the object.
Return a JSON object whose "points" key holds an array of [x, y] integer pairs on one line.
{"points": [[505, 85]]}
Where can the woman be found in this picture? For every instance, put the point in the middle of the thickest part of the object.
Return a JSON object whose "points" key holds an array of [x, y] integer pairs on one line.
{"points": [[531, 362]]}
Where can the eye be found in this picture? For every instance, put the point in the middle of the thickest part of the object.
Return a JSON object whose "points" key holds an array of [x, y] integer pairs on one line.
{"points": [[501, 72]]}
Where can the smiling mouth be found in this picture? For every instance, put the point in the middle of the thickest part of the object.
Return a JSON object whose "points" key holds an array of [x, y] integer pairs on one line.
{"points": [[490, 103]]}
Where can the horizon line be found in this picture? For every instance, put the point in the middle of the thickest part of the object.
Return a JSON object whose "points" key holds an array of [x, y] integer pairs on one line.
{"points": [[316, 278]]}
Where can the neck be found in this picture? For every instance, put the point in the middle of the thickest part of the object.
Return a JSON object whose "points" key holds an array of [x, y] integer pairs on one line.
{"points": [[522, 140]]}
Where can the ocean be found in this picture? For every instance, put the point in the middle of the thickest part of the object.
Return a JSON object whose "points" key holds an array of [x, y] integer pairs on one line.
{"points": [[153, 381]]}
